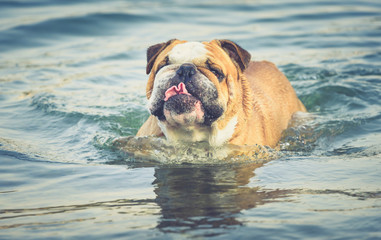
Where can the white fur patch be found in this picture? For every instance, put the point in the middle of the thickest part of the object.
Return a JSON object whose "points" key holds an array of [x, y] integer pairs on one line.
{"points": [[188, 52], [184, 134], [215, 137], [219, 137]]}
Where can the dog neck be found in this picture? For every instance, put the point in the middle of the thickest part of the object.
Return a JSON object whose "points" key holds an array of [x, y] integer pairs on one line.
{"points": [[211, 134], [180, 134]]}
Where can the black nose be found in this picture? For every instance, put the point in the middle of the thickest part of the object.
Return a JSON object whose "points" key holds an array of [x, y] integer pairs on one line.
{"points": [[186, 71]]}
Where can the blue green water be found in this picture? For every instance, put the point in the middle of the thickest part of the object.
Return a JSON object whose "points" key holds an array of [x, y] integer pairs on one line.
{"points": [[72, 79]]}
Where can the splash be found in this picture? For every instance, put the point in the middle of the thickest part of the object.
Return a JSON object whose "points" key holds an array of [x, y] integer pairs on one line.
{"points": [[161, 151]]}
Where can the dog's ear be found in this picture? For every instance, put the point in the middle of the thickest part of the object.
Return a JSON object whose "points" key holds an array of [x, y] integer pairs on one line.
{"points": [[153, 52], [236, 53]]}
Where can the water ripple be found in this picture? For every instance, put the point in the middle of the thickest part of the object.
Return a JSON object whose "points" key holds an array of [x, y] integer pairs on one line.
{"points": [[99, 24]]}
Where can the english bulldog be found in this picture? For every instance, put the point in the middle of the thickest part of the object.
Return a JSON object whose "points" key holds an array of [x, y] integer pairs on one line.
{"points": [[212, 92]]}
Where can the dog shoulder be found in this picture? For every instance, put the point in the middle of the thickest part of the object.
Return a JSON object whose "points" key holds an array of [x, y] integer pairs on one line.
{"points": [[150, 128], [262, 68]]}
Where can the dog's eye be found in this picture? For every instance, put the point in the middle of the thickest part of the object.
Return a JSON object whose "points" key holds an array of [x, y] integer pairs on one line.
{"points": [[218, 73], [160, 67]]}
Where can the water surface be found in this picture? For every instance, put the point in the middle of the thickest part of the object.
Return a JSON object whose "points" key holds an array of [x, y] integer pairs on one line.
{"points": [[72, 79]]}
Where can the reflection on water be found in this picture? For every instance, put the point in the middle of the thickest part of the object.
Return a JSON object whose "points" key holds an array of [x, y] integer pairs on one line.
{"points": [[207, 198], [186, 199]]}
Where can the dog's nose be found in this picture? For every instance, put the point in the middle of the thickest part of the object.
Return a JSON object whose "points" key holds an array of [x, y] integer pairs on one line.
{"points": [[186, 71]]}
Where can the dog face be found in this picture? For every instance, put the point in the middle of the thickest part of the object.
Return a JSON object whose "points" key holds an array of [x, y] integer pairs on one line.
{"points": [[193, 88]]}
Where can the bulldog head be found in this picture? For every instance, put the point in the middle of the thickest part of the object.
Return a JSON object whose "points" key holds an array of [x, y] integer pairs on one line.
{"points": [[196, 89]]}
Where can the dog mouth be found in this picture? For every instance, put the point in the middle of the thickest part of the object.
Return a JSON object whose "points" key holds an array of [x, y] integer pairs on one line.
{"points": [[182, 108], [176, 90]]}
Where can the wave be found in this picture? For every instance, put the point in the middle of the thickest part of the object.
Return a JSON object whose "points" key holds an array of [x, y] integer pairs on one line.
{"points": [[95, 25]]}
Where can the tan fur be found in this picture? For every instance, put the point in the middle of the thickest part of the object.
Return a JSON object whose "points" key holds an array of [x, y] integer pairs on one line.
{"points": [[150, 128], [262, 98], [274, 103]]}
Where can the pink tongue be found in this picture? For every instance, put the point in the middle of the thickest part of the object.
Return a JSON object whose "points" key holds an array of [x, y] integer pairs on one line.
{"points": [[175, 90]]}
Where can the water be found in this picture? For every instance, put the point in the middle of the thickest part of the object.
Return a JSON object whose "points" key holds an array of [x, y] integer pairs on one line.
{"points": [[72, 79]]}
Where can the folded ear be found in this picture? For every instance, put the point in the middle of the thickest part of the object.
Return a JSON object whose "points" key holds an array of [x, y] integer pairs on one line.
{"points": [[236, 53], [153, 52]]}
